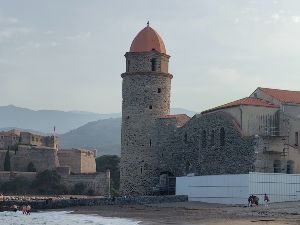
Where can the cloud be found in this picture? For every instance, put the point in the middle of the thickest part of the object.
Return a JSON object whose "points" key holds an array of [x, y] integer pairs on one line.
{"points": [[295, 19], [80, 36], [8, 20], [12, 32]]}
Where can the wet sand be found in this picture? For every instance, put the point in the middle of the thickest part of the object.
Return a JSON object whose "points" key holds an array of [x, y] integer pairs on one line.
{"points": [[195, 213]]}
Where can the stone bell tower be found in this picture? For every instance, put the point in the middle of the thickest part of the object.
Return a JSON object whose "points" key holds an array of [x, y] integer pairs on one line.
{"points": [[146, 96]]}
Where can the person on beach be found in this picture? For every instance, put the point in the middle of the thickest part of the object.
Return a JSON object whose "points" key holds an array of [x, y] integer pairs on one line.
{"points": [[266, 200], [23, 209], [28, 209], [255, 200], [14, 208], [250, 199]]}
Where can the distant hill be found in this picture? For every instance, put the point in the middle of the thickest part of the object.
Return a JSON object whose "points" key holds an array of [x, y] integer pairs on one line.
{"points": [[103, 135], [45, 120], [78, 129]]}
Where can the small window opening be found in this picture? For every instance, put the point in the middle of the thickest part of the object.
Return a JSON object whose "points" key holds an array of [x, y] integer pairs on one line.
{"points": [[158, 90], [203, 139], [150, 106], [222, 136], [141, 170], [150, 142], [212, 138], [153, 64], [185, 138], [127, 117]]}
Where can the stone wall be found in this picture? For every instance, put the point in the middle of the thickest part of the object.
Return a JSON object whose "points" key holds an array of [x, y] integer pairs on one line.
{"points": [[27, 138], [43, 158], [97, 182], [79, 160], [197, 147]]}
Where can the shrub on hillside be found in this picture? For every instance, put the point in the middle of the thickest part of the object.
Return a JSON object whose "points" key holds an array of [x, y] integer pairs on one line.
{"points": [[18, 185]]}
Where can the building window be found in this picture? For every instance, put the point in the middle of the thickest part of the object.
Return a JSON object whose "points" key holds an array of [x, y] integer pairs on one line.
{"points": [[185, 138], [222, 136], [150, 106], [150, 142], [127, 65], [277, 166], [203, 139], [296, 138], [212, 138], [153, 64], [141, 169], [158, 90]]}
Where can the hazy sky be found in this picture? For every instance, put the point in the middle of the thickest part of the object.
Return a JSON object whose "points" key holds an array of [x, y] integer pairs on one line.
{"points": [[69, 54]]}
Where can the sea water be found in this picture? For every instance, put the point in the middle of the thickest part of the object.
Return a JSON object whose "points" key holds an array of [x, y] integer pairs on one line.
{"points": [[60, 218]]}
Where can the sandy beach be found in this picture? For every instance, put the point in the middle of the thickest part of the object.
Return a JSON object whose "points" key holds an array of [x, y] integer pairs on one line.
{"points": [[195, 213]]}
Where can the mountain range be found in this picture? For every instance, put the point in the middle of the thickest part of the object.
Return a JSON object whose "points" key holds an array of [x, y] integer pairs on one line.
{"points": [[76, 129]]}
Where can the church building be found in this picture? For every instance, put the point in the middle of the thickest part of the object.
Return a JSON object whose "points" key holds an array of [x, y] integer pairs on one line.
{"points": [[259, 133]]}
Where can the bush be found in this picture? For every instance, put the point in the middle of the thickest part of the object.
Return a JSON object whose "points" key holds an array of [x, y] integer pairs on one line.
{"points": [[48, 182], [90, 192], [18, 185], [31, 168], [111, 162], [78, 189]]}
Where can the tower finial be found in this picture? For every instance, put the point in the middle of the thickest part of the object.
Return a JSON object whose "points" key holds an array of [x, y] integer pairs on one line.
{"points": [[148, 23]]}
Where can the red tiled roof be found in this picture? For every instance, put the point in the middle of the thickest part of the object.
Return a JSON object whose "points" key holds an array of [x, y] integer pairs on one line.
{"points": [[284, 96], [244, 101], [147, 40]]}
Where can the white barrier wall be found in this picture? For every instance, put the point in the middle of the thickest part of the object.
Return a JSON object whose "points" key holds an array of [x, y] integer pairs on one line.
{"points": [[236, 188]]}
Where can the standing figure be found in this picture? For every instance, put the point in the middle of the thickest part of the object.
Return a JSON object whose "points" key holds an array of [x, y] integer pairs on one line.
{"points": [[266, 200]]}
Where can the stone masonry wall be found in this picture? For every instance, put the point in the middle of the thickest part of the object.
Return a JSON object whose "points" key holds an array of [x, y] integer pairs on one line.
{"points": [[42, 158], [187, 150], [146, 96]]}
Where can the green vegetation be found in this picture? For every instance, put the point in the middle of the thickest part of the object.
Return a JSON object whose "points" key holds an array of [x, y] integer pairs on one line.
{"points": [[78, 189], [31, 168], [111, 162], [49, 182], [7, 161], [18, 185]]}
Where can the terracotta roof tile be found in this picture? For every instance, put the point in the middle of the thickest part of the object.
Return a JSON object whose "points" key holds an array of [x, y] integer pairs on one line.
{"points": [[244, 101], [284, 96], [147, 40]]}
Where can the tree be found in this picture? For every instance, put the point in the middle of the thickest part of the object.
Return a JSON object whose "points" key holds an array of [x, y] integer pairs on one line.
{"points": [[111, 162], [7, 161], [48, 182]]}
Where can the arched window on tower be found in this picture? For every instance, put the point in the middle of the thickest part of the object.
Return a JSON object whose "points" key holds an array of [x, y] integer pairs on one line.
{"points": [[153, 64], [222, 136]]}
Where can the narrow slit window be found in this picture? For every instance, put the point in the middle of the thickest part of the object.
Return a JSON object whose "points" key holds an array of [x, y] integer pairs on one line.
{"points": [[158, 90], [153, 64], [150, 106]]}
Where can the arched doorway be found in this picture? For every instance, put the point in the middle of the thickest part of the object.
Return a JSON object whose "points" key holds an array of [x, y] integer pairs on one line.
{"points": [[167, 183]]}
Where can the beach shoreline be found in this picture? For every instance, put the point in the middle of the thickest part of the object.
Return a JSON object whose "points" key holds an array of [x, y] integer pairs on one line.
{"points": [[196, 213]]}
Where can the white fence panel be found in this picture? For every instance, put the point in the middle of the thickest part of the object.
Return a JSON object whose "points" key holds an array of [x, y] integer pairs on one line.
{"points": [[236, 188], [225, 189]]}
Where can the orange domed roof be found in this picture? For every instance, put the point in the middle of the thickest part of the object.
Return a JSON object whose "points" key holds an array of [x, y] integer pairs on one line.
{"points": [[147, 40]]}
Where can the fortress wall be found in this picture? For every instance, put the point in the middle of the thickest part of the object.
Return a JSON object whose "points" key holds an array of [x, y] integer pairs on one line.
{"points": [[70, 158], [2, 158], [42, 158], [79, 160], [98, 182], [88, 163]]}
